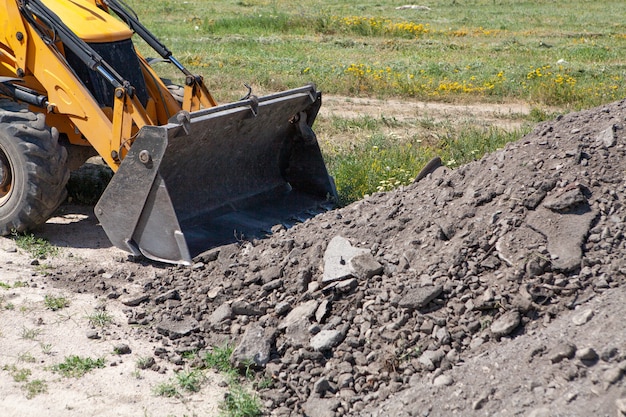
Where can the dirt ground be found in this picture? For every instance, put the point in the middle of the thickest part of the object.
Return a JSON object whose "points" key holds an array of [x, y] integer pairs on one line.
{"points": [[499, 293], [35, 338]]}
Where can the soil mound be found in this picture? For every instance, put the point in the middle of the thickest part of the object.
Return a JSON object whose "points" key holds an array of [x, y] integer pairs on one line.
{"points": [[491, 289]]}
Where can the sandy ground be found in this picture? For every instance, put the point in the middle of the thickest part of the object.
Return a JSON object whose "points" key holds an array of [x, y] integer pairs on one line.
{"points": [[33, 338]]}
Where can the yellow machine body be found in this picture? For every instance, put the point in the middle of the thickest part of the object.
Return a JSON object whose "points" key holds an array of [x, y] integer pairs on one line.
{"points": [[190, 174]]}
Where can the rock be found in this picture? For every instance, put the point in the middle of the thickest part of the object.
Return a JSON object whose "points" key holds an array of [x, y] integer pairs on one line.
{"points": [[365, 266], [338, 259], [222, 313], [443, 380], [565, 233], [273, 273], [146, 363], [282, 308], [326, 340], [254, 348], [620, 404], [430, 359], [587, 355], [169, 295], [582, 317], [320, 407], [134, 299], [565, 200], [418, 298], [122, 349], [92, 334], [506, 323], [322, 310], [244, 308], [540, 412], [300, 313], [175, 329], [564, 350], [321, 386], [607, 137], [272, 285], [612, 375]]}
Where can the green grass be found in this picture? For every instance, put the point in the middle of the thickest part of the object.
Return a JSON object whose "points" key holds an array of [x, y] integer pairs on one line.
{"points": [[76, 366], [37, 247], [238, 402], [55, 303], [100, 318], [185, 381], [166, 389], [34, 388], [480, 50], [30, 334], [556, 59]]}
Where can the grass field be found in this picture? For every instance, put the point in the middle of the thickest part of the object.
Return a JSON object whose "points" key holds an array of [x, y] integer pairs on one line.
{"points": [[559, 56]]}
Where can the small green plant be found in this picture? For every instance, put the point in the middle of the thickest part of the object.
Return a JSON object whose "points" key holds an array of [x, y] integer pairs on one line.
{"points": [[37, 247], [100, 318], [265, 383], [239, 402], [219, 358], [189, 355], [26, 357], [18, 374], [30, 334], [35, 387], [190, 381], [5, 285], [46, 348], [166, 389], [145, 362], [20, 284], [55, 303], [76, 366]]}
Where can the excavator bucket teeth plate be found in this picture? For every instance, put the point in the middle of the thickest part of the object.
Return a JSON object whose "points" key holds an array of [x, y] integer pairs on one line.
{"points": [[223, 174]]}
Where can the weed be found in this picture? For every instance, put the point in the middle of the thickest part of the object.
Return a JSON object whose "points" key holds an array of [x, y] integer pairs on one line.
{"points": [[189, 355], [166, 389], [5, 285], [46, 348], [30, 334], [145, 362], [265, 383], [100, 318], [76, 366], [35, 387], [219, 358], [20, 284], [190, 381], [18, 374], [26, 357], [37, 247], [55, 303], [239, 402]]}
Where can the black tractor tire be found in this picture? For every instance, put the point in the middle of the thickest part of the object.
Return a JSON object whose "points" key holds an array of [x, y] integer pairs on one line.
{"points": [[33, 169]]}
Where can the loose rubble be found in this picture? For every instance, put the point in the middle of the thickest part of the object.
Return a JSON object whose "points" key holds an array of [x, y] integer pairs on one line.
{"points": [[400, 303]]}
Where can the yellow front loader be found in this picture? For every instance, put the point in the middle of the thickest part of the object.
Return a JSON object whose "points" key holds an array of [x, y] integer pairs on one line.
{"points": [[189, 174]]}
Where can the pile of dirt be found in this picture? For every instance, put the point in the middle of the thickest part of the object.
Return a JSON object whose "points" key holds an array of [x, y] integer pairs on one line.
{"points": [[491, 289]]}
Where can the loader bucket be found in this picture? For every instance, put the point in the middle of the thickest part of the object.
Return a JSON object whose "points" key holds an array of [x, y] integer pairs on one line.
{"points": [[219, 175]]}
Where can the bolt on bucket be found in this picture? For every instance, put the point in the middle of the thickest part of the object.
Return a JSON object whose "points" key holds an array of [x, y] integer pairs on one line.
{"points": [[217, 176]]}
